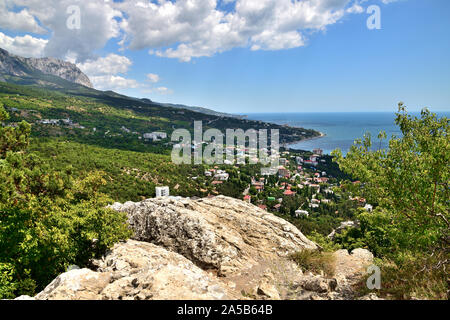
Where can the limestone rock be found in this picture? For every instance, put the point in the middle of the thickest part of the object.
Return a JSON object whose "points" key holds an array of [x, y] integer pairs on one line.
{"points": [[137, 271], [370, 296], [267, 287], [219, 233], [81, 284], [215, 248], [363, 255], [18, 66], [24, 298]]}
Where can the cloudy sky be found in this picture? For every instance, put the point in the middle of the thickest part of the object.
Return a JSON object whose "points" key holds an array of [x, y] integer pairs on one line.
{"points": [[247, 55]]}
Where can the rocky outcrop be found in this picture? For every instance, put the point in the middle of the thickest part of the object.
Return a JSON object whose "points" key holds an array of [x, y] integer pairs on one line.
{"points": [[19, 66], [220, 233], [214, 248], [137, 271]]}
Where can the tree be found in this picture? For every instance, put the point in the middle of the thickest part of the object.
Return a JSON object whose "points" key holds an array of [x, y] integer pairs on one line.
{"points": [[410, 180], [48, 220]]}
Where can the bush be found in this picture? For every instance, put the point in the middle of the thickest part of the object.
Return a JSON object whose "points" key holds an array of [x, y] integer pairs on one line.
{"points": [[324, 242], [315, 261], [48, 220], [409, 182], [411, 276]]}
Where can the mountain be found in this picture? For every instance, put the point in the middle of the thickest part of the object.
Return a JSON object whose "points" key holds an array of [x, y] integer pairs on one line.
{"points": [[15, 66], [204, 110], [50, 73], [29, 85]]}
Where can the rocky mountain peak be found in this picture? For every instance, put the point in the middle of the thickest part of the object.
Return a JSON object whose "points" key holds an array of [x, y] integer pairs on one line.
{"points": [[19, 66]]}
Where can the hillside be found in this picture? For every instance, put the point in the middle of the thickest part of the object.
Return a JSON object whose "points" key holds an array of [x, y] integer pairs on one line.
{"points": [[110, 113]]}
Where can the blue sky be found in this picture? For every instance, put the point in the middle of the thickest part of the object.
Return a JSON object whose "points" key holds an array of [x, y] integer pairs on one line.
{"points": [[339, 66]]}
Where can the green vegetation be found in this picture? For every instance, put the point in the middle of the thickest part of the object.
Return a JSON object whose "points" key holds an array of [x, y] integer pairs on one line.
{"points": [[101, 117], [58, 179], [409, 183], [315, 261], [48, 219]]}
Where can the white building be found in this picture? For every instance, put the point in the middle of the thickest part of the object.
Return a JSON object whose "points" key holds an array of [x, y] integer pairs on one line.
{"points": [[162, 192], [223, 176], [155, 136], [301, 213]]}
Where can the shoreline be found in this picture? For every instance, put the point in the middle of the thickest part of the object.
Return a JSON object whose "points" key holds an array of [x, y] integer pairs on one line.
{"points": [[307, 139]]}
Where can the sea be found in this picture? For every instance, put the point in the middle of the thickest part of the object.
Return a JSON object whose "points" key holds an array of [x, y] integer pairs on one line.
{"points": [[341, 129]]}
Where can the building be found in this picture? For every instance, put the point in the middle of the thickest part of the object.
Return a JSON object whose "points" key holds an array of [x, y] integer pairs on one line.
{"points": [[318, 151], [208, 173], [222, 176], [301, 213], [162, 192], [289, 193], [283, 172], [155, 136], [311, 163]]}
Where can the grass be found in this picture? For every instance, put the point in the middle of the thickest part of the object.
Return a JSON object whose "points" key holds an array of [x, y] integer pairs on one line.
{"points": [[315, 261], [412, 277]]}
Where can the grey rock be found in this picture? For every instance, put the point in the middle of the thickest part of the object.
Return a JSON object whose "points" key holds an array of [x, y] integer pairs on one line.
{"points": [[220, 233], [19, 66]]}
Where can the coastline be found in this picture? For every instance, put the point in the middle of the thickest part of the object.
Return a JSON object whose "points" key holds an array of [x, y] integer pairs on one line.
{"points": [[307, 139]]}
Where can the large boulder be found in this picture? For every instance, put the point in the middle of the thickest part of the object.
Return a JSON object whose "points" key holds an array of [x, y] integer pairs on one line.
{"points": [[214, 248], [137, 271], [220, 233]]}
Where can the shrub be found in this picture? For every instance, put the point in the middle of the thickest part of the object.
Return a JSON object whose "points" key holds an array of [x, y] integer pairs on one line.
{"points": [[315, 261], [411, 276], [48, 220]]}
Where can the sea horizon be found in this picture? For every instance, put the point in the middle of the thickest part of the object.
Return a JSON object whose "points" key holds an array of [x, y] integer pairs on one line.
{"points": [[341, 129]]}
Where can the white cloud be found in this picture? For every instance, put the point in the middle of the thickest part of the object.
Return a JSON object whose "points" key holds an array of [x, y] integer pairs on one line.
{"points": [[181, 29], [109, 65], [163, 90], [104, 72], [153, 78], [26, 46], [112, 82], [98, 25], [109, 73], [197, 28], [17, 21]]}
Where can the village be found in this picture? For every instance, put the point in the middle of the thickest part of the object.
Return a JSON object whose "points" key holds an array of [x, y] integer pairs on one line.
{"points": [[299, 187]]}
